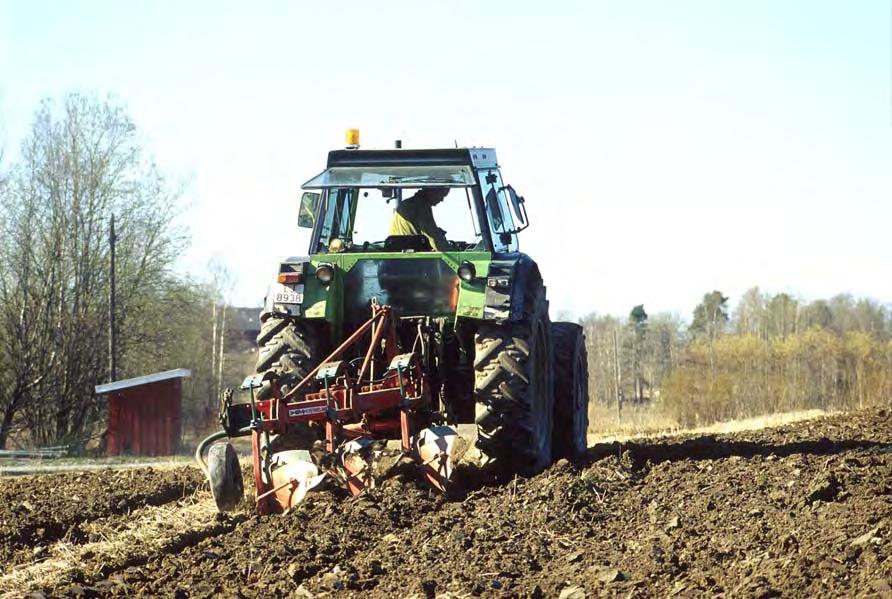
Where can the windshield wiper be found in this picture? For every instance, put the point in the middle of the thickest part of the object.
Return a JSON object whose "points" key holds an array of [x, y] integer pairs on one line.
{"points": [[419, 179]]}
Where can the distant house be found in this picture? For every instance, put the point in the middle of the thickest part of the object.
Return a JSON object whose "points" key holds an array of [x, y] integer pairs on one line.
{"points": [[243, 325], [144, 413]]}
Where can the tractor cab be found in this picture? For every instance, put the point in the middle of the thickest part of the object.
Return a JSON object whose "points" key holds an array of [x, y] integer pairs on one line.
{"points": [[350, 205]]}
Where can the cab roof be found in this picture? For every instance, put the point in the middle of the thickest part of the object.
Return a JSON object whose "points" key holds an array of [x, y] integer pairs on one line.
{"points": [[477, 157]]}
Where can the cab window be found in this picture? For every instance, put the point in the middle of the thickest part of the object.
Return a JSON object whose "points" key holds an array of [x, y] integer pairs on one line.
{"points": [[498, 212]]}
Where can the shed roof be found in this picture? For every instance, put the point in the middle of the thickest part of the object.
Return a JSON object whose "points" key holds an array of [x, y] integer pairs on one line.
{"points": [[179, 373]]}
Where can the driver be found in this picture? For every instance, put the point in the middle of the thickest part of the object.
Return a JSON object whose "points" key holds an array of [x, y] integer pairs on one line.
{"points": [[415, 216]]}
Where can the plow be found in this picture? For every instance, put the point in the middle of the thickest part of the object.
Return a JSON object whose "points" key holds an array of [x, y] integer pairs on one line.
{"points": [[382, 345], [357, 410]]}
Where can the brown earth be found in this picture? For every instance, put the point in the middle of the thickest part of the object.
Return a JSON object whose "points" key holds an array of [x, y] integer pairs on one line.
{"points": [[36, 510], [800, 510]]}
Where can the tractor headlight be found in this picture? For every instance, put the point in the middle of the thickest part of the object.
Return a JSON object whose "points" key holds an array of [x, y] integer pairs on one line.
{"points": [[325, 273], [467, 272]]}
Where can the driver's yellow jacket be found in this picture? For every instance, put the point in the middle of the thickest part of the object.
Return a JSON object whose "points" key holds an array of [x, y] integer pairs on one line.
{"points": [[415, 216]]}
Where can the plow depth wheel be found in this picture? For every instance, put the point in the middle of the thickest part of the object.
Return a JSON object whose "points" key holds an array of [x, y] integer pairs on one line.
{"points": [[225, 476]]}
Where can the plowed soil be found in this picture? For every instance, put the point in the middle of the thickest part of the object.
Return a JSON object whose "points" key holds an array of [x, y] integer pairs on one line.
{"points": [[37, 510], [803, 510]]}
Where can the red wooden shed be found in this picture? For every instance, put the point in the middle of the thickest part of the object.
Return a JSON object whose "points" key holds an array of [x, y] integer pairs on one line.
{"points": [[144, 413]]}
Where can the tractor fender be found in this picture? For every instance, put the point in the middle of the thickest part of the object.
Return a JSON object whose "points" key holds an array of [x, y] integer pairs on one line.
{"points": [[506, 286]]}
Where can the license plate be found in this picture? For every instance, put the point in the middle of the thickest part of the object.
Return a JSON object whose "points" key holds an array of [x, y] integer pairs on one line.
{"points": [[289, 294]]}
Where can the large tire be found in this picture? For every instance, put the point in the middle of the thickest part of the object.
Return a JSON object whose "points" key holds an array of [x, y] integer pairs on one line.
{"points": [[513, 387], [290, 349], [570, 389]]}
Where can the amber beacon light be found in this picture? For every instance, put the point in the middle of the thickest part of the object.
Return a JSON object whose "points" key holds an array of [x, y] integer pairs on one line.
{"points": [[352, 139]]}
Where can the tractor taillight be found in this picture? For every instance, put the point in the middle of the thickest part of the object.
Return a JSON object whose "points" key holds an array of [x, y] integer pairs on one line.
{"points": [[291, 277]]}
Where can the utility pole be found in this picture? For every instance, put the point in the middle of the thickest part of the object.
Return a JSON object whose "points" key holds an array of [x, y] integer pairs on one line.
{"points": [[617, 378], [112, 341]]}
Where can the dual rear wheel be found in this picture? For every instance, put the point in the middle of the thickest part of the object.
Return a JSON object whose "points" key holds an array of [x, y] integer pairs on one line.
{"points": [[531, 388]]}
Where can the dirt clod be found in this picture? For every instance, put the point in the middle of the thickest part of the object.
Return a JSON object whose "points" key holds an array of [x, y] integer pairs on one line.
{"points": [[825, 488], [572, 592], [607, 575]]}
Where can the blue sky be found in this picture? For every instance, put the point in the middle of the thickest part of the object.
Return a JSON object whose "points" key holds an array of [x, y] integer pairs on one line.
{"points": [[665, 149]]}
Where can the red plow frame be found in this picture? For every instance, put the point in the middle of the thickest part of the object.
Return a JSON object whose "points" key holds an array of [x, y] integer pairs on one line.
{"points": [[355, 411]]}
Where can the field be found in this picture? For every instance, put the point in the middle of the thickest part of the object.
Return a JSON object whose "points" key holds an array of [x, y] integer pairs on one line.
{"points": [[802, 509]]}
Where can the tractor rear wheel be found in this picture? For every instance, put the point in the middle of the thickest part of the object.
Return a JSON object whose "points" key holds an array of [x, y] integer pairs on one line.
{"points": [[289, 348], [513, 387], [570, 389]]}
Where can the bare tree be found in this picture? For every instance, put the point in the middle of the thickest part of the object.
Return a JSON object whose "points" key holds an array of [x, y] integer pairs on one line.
{"points": [[222, 285], [81, 162]]}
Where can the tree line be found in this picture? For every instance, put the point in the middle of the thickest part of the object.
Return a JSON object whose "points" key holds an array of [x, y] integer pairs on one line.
{"points": [[771, 352], [81, 163]]}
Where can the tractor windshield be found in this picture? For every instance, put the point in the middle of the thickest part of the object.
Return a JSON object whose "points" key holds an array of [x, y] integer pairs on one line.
{"points": [[365, 219], [393, 176]]}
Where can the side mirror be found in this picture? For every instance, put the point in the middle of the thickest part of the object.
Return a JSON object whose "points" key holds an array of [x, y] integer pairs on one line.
{"points": [[306, 218]]}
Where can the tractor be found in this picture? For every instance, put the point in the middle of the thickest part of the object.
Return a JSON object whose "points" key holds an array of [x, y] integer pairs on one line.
{"points": [[374, 337]]}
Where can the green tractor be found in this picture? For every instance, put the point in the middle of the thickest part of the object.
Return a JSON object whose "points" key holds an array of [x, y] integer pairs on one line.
{"points": [[374, 335]]}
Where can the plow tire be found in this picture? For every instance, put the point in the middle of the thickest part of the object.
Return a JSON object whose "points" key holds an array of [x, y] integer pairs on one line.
{"points": [[513, 388], [289, 348], [570, 389], [225, 476]]}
